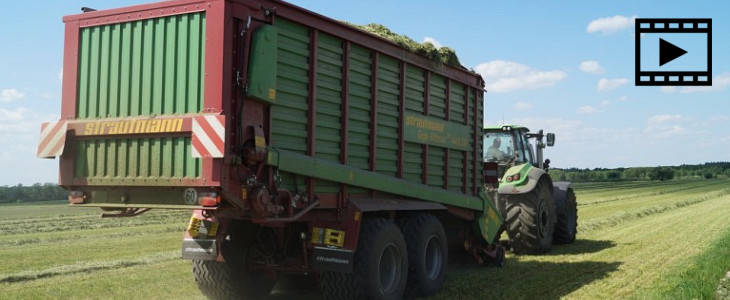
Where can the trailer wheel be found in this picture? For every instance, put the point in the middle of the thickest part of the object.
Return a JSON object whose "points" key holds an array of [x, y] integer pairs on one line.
{"points": [[427, 254], [233, 279], [381, 266], [218, 280], [531, 220], [567, 225]]}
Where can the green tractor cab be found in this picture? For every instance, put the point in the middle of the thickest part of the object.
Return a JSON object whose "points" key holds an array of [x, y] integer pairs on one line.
{"points": [[537, 211]]}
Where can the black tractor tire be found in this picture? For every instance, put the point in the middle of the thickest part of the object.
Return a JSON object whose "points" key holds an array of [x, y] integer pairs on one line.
{"points": [[381, 265], [219, 280], [530, 220], [428, 254], [567, 225], [233, 279]]}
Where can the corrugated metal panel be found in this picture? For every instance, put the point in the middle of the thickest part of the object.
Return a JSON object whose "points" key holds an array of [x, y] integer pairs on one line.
{"points": [[289, 115], [388, 123], [140, 68], [123, 159], [329, 104], [456, 168], [358, 130], [437, 96], [436, 163], [457, 103], [415, 88]]}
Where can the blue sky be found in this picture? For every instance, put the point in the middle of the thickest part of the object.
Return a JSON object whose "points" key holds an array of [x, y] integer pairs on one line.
{"points": [[563, 66]]}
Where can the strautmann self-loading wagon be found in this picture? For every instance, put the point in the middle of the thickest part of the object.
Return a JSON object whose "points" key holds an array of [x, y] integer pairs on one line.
{"points": [[300, 144]]}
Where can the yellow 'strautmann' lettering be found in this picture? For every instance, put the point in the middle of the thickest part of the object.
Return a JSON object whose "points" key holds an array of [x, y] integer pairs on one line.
{"points": [[133, 126]]}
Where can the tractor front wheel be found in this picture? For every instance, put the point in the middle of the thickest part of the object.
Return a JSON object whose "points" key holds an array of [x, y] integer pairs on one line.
{"points": [[530, 220]]}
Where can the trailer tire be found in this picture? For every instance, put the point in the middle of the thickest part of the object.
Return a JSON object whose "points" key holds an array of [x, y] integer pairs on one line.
{"points": [[219, 280], [567, 223], [427, 254], [530, 221], [381, 250]]}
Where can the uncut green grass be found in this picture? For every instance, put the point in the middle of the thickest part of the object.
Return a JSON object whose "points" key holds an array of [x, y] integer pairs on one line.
{"points": [[642, 240]]}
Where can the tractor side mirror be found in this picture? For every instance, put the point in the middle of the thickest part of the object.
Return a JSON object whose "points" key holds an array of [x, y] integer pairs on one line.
{"points": [[550, 139]]}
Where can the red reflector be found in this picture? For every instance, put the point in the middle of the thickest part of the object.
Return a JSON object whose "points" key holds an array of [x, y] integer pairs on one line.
{"points": [[76, 197], [209, 199]]}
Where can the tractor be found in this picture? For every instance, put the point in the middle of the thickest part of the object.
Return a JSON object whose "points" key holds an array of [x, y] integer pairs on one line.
{"points": [[538, 212]]}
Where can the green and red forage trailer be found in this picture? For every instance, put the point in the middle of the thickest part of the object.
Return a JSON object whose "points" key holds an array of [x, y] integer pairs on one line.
{"points": [[301, 145]]}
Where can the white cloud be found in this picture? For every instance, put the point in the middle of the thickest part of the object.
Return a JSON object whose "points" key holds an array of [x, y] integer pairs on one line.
{"points": [[666, 126], [587, 109], [506, 76], [60, 75], [610, 25], [605, 103], [623, 98], [719, 83], [521, 105], [609, 84], [662, 119], [668, 89], [8, 95], [433, 41], [8, 115], [591, 66]]}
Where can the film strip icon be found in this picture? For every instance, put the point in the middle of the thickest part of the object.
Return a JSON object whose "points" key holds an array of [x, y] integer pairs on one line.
{"points": [[675, 78]]}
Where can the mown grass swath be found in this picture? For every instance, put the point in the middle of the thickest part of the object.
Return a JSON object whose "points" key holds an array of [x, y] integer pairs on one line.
{"points": [[646, 240]]}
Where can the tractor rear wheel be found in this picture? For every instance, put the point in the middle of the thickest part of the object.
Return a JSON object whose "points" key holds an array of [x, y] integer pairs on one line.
{"points": [[427, 254], [566, 227], [530, 220], [381, 265]]}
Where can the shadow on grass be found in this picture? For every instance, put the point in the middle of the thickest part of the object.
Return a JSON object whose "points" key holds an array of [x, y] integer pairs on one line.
{"points": [[581, 246], [521, 279]]}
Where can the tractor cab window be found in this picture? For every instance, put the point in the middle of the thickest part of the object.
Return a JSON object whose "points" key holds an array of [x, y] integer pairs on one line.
{"points": [[530, 145], [498, 147], [523, 152]]}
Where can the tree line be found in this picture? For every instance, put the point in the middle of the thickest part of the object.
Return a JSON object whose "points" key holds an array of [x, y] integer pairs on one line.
{"points": [[34, 193], [707, 171]]}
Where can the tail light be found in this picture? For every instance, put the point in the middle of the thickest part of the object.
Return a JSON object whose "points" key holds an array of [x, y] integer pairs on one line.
{"points": [[76, 197], [209, 199]]}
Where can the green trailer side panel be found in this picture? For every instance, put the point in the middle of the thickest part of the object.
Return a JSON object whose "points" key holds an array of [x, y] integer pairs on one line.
{"points": [[437, 96], [388, 122], [139, 68], [457, 99], [415, 89], [261, 76], [330, 55], [327, 170], [456, 169], [289, 115], [359, 110], [436, 165]]}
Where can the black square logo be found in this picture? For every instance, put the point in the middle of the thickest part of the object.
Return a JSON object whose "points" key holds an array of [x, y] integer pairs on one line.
{"points": [[673, 52]]}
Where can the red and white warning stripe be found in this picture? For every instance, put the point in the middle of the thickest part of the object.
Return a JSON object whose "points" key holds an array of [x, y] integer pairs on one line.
{"points": [[208, 136], [53, 139]]}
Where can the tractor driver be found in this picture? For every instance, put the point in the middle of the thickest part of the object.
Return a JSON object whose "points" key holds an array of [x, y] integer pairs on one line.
{"points": [[493, 153]]}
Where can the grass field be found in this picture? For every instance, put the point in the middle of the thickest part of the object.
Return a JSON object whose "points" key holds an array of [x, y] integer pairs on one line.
{"points": [[643, 240]]}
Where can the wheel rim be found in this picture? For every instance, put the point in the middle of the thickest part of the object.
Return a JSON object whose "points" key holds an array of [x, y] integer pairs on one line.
{"points": [[433, 257], [543, 220], [388, 270]]}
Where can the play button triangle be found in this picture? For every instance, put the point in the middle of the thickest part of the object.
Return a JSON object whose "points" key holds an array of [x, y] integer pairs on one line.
{"points": [[668, 52]]}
